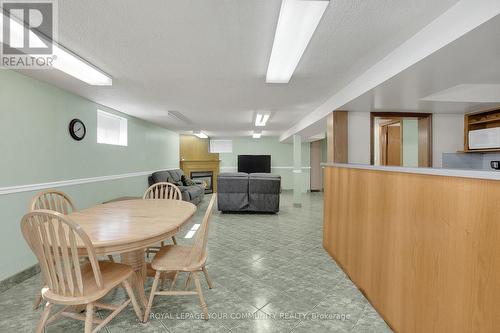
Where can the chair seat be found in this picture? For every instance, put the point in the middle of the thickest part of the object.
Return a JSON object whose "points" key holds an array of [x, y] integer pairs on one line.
{"points": [[175, 258], [112, 275]]}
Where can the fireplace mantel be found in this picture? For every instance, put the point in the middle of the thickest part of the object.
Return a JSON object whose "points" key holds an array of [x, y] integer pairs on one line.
{"points": [[194, 155], [201, 165]]}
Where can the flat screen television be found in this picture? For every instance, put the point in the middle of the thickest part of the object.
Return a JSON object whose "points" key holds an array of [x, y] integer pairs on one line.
{"points": [[254, 163]]}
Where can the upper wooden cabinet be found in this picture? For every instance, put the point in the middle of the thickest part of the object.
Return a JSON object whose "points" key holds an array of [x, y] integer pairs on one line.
{"points": [[481, 121]]}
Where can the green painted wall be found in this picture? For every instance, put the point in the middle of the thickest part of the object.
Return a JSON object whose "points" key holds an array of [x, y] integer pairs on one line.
{"points": [[35, 147], [410, 142], [281, 158]]}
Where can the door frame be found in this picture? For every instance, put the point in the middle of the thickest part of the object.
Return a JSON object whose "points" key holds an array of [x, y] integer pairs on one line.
{"points": [[428, 153]]}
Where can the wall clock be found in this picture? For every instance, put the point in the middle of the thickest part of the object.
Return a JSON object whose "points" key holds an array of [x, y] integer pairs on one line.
{"points": [[77, 129]]}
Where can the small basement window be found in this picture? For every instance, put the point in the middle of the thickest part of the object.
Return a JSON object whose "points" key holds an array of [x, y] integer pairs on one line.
{"points": [[111, 129], [221, 146]]}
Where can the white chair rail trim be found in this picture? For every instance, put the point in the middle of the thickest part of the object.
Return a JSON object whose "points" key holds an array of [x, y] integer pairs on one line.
{"points": [[62, 183], [273, 167]]}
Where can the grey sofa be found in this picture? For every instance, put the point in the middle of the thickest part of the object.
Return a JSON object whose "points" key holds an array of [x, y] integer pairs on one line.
{"points": [[242, 192], [193, 194]]}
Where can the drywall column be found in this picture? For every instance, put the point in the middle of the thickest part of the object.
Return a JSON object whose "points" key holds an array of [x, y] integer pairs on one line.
{"points": [[297, 170]]}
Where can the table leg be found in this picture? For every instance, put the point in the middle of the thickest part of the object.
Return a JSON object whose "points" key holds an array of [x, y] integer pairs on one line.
{"points": [[136, 260]]}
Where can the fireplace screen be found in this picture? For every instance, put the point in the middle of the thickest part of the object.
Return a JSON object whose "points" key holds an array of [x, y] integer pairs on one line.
{"points": [[207, 177]]}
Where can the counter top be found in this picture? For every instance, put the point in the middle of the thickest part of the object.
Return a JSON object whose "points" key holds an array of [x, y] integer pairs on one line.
{"points": [[478, 174]]}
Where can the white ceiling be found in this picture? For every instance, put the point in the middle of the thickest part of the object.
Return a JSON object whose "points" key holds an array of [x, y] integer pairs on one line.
{"points": [[207, 58], [461, 77], [468, 93]]}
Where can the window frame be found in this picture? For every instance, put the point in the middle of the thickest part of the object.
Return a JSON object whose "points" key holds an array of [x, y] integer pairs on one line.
{"points": [[123, 131]]}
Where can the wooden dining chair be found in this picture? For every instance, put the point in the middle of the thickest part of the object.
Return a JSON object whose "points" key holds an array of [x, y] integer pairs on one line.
{"points": [[161, 191], [182, 258], [53, 238], [56, 201], [53, 200]]}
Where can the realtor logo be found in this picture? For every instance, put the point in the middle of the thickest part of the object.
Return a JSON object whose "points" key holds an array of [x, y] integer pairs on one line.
{"points": [[28, 29]]}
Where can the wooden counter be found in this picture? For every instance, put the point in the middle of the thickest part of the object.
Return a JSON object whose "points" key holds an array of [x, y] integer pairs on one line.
{"points": [[423, 248]]}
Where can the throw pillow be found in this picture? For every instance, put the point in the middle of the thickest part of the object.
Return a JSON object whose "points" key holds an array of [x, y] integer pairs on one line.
{"points": [[171, 181], [187, 181]]}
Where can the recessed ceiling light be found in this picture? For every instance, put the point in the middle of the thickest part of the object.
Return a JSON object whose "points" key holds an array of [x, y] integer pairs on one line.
{"points": [[261, 119], [297, 22], [65, 60], [256, 135], [200, 134]]}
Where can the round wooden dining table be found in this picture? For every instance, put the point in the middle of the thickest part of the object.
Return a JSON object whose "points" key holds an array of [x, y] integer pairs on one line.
{"points": [[128, 227]]}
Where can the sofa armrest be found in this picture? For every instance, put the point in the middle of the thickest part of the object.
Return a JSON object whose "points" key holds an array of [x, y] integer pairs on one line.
{"points": [[182, 188]]}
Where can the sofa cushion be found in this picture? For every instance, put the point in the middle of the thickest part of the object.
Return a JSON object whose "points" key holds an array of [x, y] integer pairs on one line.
{"points": [[195, 191], [232, 183], [184, 193], [187, 181], [232, 188], [176, 175], [233, 174], [179, 183], [263, 175], [264, 183], [161, 176], [264, 192]]}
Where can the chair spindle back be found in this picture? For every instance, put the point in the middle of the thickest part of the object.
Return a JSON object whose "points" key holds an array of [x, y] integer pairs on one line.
{"points": [[53, 200], [163, 190], [54, 239]]}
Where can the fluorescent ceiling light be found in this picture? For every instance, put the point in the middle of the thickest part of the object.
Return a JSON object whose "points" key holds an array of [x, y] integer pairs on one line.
{"points": [[201, 135], [256, 135], [179, 117], [72, 65], [261, 120], [297, 22], [65, 60]]}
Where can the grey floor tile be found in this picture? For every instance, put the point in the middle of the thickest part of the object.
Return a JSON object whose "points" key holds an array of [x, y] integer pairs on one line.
{"points": [[323, 326], [263, 323], [270, 273]]}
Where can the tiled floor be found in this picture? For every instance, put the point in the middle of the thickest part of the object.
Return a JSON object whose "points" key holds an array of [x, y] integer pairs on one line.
{"points": [[270, 272]]}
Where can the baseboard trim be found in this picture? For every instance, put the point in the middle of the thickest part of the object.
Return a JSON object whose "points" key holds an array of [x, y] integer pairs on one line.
{"points": [[17, 278]]}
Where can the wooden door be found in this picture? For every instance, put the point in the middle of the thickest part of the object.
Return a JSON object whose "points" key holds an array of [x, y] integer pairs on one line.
{"points": [[425, 142], [316, 174], [391, 144]]}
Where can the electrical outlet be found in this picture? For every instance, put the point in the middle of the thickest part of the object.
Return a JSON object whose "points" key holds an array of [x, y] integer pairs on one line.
{"points": [[495, 165]]}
